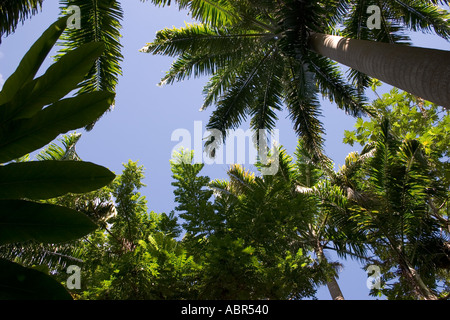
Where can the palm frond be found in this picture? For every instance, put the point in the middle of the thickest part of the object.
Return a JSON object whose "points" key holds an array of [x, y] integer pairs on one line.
{"points": [[201, 39], [304, 108], [213, 12], [14, 11], [333, 86], [268, 95], [241, 180], [309, 172], [421, 16], [355, 27], [100, 22], [234, 105], [218, 83], [56, 152]]}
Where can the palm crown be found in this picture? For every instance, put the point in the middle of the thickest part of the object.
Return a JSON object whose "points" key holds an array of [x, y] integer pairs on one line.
{"points": [[259, 57]]}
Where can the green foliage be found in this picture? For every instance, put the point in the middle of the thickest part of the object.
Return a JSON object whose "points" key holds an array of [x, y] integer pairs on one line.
{"points": [[403, 194], [411, 118], [100, 22], [33, 114], [135, 256], [245, 237], [14, 11]]}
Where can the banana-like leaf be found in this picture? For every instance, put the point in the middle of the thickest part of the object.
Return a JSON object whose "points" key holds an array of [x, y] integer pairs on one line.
{"points": [[22, 221], [19, 283], [58, 81], [32, 61], [26, 135], [50, 179]]}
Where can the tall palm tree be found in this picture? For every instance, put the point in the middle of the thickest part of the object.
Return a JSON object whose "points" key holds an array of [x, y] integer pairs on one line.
{"points": [[262, 54]]}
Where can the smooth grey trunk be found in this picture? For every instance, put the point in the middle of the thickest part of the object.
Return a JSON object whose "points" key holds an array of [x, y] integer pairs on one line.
{"points": [[334, 289], [333, 286], [420, 71]]}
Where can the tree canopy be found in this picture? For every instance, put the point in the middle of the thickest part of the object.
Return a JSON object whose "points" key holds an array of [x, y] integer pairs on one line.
{"points": [[254, 234]]}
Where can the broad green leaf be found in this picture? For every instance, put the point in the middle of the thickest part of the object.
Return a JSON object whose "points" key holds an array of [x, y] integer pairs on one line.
{"points": [[58, 81], [50, 179], [32, 60], [20, 283], [26, 135], [22, 221]]}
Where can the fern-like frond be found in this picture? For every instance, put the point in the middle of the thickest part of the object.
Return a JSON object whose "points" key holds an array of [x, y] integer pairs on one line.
{"points": [[14, 11], [100, 22]]}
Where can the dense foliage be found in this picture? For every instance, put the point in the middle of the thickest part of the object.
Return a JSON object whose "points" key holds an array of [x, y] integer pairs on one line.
{"points": [[252, 235], [33, 113]]}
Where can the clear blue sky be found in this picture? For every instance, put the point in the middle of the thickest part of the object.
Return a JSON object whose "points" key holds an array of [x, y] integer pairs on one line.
{"points": [[141, 125]]}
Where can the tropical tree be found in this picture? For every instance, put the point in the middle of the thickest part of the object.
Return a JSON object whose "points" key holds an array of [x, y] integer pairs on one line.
{"points": [[263, 54], [403, 192], [396, 211], [138, 257], [275, 216], [242, 233]]}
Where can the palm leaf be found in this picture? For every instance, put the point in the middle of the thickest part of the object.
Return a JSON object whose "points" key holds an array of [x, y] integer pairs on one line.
{"points": [[420, 16], [268, 96], [304, 108], [234, 105], [14, 11], [55, 152], [100, 22], [333, 87], [201, 39]]}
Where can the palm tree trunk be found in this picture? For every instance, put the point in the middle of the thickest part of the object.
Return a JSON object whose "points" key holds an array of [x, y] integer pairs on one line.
{"points": [[334, 289], [420, 71], [333, 286]]}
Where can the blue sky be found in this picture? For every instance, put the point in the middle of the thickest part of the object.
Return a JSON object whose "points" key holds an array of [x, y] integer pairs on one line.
{"points": [[145, 116]]}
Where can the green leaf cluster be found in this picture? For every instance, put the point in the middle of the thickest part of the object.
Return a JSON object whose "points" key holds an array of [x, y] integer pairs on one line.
{"points": [[135, 255], [33, 113], [244, 232], [403, 190]]}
